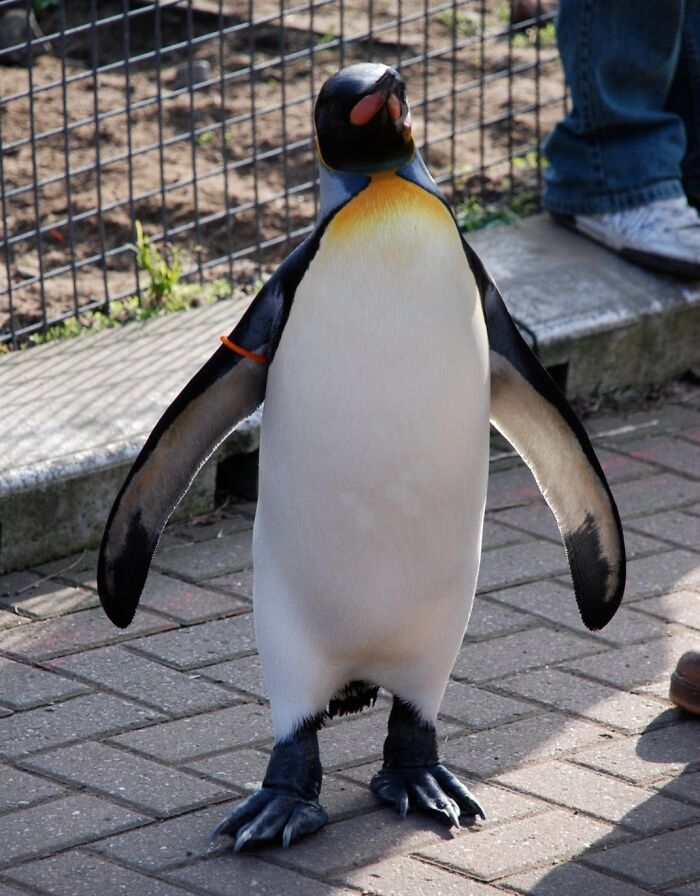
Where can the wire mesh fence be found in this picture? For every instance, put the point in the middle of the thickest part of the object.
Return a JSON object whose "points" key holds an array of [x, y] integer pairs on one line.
{"points": [[194, 117]]}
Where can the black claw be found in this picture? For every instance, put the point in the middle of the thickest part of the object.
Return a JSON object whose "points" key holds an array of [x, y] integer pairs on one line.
{"points": [[305, 820]]}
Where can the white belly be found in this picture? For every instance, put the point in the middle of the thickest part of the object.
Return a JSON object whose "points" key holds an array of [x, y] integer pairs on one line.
{"points": [[373, 468]]}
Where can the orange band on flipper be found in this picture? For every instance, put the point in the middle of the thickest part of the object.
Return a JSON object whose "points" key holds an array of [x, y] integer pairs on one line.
{"points": [[261, 359]]}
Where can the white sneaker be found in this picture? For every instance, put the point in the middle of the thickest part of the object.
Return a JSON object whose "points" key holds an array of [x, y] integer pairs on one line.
{"points": [[662, 235]]}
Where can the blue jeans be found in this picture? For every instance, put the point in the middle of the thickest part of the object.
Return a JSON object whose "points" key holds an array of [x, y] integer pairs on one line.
{"points": [[633, 134]]}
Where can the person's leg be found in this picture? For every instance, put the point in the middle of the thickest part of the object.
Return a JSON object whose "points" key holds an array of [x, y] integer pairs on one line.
{"points": [[684, 97], [619, 147]]}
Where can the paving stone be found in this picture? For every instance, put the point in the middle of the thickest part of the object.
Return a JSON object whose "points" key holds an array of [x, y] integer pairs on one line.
{"points": [[10, 620], [674, 570], [201, 530], [245, 674], [354, 741], [94, 715], [186, 602], [495, 852], [206, 733], [685, 787], [572, 880], [640, 496], [630, 712], [479, 708], [68, 821], [675, 526], [8, 890], [659, 861], [239, 583], [18, 789], [555, 601], [359, 841], [227, 874], [24, 687], [78, 569], [116, 774], [39, 598], [488, 619], [77, 873], [495, 536], [545, 736], [403, 876], [517, 652], [173, 692], [612, 800], [79, 631], [509, 488], [520, 563], [634, 424], [658, 753], [636, 664], [208, 559], [199, 645], [676, 454], [681, 606], [167, 843], [689, 890]]}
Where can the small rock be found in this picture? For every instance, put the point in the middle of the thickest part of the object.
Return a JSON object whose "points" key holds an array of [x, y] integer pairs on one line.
{"points": [[187, 75], [13, 31]]}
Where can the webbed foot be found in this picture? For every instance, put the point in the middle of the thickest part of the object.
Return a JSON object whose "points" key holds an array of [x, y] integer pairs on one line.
{"points": [[266, 815], [286, 807], [433, 790], [413, 777]]}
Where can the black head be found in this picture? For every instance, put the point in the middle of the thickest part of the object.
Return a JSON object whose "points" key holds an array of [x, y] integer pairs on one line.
{"points": [[363, 123]]}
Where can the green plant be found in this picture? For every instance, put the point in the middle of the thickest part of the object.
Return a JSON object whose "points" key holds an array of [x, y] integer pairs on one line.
{"points": [[40, 7], [163, 270], [476, 215], [204, 138], [461, 22]]}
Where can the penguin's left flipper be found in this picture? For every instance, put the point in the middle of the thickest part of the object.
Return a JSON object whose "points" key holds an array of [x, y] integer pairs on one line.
{"points": [[528, 408]]}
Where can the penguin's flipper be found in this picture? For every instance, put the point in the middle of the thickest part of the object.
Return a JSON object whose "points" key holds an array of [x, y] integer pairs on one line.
{"points": [[528, 408]]}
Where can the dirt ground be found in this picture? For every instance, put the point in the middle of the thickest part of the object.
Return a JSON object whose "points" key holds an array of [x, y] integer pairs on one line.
{"points": [[225, 171]]}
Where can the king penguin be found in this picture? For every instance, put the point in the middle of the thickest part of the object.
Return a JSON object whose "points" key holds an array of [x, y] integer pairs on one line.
{"points": [[381, 348]]}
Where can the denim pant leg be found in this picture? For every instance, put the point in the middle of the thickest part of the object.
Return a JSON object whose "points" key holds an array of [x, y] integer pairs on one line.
{"points": [[684, 98], [619, 147]]}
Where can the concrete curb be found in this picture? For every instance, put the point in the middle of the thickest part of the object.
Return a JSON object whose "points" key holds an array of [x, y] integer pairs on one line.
{"points": [[76, 413]]}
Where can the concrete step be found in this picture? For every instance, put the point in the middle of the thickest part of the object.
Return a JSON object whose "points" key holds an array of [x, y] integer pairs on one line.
{"points": [[75, 413]]}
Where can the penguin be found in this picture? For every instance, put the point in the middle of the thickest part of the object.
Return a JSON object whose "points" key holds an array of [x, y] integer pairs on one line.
{"points": [[381, 348]]}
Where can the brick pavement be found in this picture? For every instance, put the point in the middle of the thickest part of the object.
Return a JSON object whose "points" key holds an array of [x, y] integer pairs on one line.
{"points": [[120, 750]]}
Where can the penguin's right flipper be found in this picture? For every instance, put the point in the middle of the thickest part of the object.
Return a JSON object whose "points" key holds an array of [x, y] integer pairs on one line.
{"points": [[227, 389], [528, 408]]}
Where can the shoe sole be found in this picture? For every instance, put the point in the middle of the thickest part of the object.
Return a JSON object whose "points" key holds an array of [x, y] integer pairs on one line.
{"points": [[688, 270], [684, 693]]}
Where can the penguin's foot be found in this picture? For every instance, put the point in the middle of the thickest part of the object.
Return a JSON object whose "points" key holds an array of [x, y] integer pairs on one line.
{"points": [[270, 815], [433, 790], [286, 808]]}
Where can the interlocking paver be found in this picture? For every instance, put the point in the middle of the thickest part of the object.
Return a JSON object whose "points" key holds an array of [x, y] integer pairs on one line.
{"points": [[224, 875], [78, 631], [202, 734], [630, 712], [479, 708], [175, 693], [656, 754], [681, 606], [640, 496], [518, 652], [674, 526], [39, 598], [672, 571], [24, 687], [354, 741], [509, 488], [684, 787], [185, 601], [538, 737], [207, 559], [410, 877], [67, 821], [93, 715], [237, 583], [520, 563], [19, 789], [659, 861], [488, 619], [608, 798], [244, 673], [571, 880], [210, 642], [10, 620], [483, 853], [675, 454], [86, 875], [116, 774]]}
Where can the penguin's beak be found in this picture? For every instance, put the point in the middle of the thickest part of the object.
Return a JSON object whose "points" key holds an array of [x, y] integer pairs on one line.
{"points": [[385, 95]]}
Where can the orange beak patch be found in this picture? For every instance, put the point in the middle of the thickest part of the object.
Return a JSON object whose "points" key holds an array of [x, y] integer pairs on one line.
{"points": [[365, 110]]}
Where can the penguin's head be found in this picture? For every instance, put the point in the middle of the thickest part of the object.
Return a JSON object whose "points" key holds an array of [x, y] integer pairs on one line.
{"points": [[363, 123]]}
